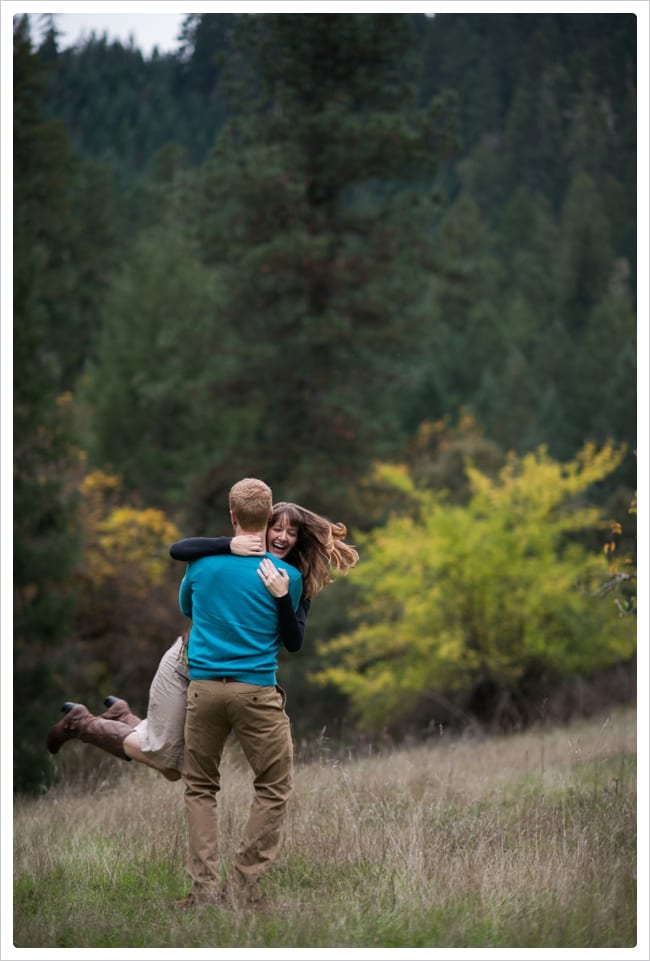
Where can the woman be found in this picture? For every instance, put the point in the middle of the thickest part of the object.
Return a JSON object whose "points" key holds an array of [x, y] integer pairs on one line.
{"points": [[304, 539]]}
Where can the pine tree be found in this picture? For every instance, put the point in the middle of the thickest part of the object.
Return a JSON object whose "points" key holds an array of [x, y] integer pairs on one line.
{"points": [[44, 513], [315, 208], [154, 389]]}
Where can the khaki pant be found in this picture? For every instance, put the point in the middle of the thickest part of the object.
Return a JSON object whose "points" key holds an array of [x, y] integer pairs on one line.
{"points": [[161, 731], [257, 717]]}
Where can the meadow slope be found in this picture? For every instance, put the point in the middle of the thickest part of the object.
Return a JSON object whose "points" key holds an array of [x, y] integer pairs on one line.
{"points": [[527, 840]]}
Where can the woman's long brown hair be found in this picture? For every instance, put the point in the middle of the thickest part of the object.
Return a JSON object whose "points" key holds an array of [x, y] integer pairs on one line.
{"points": [[320, 547]]}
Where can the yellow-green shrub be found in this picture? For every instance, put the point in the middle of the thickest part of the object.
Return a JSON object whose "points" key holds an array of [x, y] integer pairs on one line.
{"points": [[455, 595]]}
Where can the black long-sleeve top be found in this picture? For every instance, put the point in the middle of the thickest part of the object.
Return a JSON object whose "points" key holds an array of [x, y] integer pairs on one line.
{"points": [[291, 623]]}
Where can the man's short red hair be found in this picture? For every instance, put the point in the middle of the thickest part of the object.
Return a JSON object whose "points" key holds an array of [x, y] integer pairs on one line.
{"points": [[251, 501]]}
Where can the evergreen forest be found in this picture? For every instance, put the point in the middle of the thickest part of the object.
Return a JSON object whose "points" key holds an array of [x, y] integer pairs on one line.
{"points": [[386, 262]]}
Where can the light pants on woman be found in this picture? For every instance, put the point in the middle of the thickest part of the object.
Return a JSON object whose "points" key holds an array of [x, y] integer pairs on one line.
{"points": [[161, 731], [256, 716]]}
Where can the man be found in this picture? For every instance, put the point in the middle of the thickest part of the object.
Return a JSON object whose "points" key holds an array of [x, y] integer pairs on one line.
{"points": [[232, 654]]}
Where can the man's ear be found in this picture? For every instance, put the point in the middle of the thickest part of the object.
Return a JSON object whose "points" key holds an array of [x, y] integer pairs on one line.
{"points": [[233, 519]]}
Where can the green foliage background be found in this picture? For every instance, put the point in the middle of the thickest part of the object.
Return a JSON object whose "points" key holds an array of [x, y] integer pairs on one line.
{"points": [[299, 247]]}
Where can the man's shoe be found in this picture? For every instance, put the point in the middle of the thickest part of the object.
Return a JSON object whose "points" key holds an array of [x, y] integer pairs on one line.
{"points": [[263, 903], [190, 903], [245, 896], [185, 904]]}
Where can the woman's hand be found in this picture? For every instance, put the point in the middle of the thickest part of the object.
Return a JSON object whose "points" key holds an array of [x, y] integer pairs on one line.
{"points": [[275, 580], [246, 545]]}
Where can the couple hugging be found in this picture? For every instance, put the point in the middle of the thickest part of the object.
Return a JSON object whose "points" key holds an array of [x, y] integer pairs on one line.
{"points": [[246, 596]]}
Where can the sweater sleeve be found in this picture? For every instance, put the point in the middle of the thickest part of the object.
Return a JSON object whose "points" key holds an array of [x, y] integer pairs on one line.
{"points": [[292, 623], [185, 596], [191, 548]]}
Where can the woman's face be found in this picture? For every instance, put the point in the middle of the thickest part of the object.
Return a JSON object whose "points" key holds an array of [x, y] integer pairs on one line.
{"points": [[281, 536]]}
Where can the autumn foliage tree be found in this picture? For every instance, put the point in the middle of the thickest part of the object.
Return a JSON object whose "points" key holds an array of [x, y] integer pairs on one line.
{"points": [[126, 586], [621, 576], [483, 597]]}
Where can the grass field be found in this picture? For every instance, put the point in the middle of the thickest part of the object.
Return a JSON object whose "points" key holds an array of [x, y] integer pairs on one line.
{"points": [[522, 841]]}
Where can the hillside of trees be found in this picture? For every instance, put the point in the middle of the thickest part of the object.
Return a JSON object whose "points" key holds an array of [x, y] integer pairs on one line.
{"points": [[376, 260]]}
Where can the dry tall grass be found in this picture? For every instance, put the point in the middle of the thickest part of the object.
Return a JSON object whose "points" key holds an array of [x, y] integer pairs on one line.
{"points": [[524, 841]]}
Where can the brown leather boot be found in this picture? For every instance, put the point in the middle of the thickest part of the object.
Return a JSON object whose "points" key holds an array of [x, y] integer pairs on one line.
{"points": [[119, 710], [80, 723], [66, 728]]}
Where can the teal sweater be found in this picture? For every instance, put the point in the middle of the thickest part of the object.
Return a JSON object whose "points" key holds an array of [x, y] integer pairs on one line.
{"points": [[235, 628]]}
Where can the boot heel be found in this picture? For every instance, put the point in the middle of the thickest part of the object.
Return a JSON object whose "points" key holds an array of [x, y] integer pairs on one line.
{"points": [[118, 709]]}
